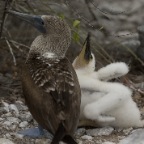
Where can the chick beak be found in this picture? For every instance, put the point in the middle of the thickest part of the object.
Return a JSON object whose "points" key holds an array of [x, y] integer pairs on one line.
{"points": [[34, 20], [85, 54]]}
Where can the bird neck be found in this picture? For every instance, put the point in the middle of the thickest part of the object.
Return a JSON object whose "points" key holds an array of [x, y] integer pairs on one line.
{"points": [[54, 45]]}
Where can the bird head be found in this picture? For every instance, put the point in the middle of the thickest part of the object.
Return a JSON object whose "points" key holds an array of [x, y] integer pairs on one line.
{"points": [[55, 33], [86, 59]]}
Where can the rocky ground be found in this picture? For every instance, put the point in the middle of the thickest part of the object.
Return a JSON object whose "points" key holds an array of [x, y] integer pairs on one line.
{"points": [[14, 115]]}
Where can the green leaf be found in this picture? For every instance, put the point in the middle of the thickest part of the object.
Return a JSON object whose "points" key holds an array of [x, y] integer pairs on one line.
{"points": [[62, 16], [76, 37], [76, 23]]}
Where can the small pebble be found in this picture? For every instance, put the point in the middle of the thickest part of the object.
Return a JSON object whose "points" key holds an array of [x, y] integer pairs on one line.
{"points": [[80, 131], [26, 117], [80, 142], [100, 131], [21, 107], [42, 141], [108, 143], [8, 114], [86, 137], [127, 131], [13, 127], [136, 137], [13, 107], [5, 109], [7, 123], [19, 136], [5, 104], [5, 141], [1, 119], [8, 135], [23, 124], [13, 120]]}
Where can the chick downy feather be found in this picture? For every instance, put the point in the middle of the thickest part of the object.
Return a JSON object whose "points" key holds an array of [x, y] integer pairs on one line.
{"points": [[107, 103]]}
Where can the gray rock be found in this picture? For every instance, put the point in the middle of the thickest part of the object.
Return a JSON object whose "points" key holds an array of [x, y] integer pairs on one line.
{"points": [[8, 136], [125, 45], [26, 117], [137, 137], [5, 107], [5, 141], [23, 124], [139, 85], [80, 142], [132, 44], [108, 142], [7, 123], [13, 127], [9, 114], [127, 131], [42, 141], [19, 136], [141, 29], [13, 120], [100, 131], [20, 106], [4, 110], [5, 104], [1, 119], [87, 137], [13, 107], [80, 131]]}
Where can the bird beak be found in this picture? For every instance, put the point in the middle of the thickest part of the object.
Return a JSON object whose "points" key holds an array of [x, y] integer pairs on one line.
{"points": [[87, 54], [86, 50], [34, 20]]}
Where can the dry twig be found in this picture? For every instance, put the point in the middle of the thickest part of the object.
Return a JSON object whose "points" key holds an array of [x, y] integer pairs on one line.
{"points": [[11, 51], [19, 44], [3, 18]]}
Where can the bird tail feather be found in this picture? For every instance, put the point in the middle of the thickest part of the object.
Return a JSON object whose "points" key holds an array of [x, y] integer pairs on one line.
{"points": [[61, 135]]}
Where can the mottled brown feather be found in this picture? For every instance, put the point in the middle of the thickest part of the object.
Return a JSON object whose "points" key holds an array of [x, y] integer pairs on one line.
{"points": [[52, 92]]}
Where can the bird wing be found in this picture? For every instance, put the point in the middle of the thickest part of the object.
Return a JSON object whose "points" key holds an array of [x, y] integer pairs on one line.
{"points": [[57, 78]]}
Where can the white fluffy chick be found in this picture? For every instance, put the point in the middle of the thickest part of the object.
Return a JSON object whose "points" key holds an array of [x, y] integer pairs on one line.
{"points": [[104, 103]]}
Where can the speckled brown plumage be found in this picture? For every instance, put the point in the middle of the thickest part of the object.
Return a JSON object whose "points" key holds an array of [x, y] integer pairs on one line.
{"points": [[49, 82], [50, 92]]}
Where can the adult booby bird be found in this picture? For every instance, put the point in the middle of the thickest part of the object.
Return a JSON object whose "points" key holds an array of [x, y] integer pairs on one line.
{"points": [[105, 103], [49, 82]]}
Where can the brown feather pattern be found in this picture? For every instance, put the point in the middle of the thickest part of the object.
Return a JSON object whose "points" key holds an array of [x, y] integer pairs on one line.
{"points": [[49, 86]]}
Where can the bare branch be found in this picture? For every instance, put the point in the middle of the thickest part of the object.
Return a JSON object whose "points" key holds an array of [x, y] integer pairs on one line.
{"points": [[20, 44], [3, 18], [11, 51], [107, 13], [90, 10]]}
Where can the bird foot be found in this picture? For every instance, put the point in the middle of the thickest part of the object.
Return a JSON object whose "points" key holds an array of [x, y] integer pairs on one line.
{"points": [[35, 133], [32, 133]]}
